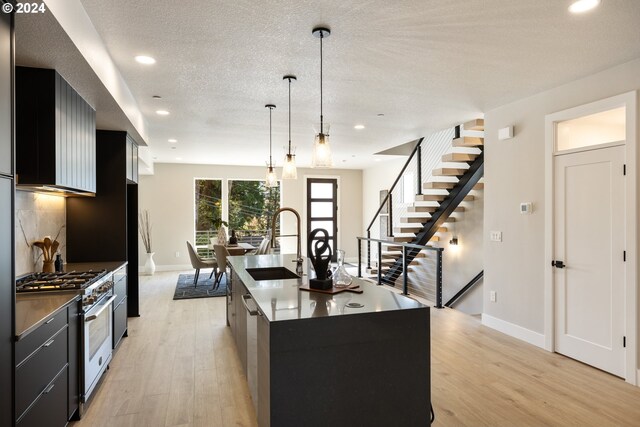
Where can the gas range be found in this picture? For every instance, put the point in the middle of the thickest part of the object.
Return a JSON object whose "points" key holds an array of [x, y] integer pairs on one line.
{"points": [[92, 285]]}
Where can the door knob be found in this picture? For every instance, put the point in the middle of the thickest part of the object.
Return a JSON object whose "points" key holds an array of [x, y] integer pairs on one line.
{"points": [[558, 264]]}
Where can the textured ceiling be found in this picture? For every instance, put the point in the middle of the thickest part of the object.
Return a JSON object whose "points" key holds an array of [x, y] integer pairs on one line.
{"points": [[424, 64]]}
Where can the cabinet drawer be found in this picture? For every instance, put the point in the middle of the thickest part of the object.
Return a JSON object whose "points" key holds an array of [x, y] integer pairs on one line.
{"points": [[119, 322], [37, 338], [33, 376], [51, 407], [120, 288]]}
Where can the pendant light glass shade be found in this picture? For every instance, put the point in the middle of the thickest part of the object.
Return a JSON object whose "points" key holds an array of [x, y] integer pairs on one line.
{"points": [[271, 179], [289, 170], [322, 157]]}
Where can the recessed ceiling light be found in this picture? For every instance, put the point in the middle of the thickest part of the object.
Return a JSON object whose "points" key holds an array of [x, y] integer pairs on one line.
{"points": [[173, 148], [376, 160], [178, 158], [581, 6], [380, 114], [173, 141], [359, 127], [156, 97], [162, 112], [146, 60]]}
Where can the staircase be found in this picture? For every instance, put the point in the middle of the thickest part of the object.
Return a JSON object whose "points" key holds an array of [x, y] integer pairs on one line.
{"points": [[437, 199]]}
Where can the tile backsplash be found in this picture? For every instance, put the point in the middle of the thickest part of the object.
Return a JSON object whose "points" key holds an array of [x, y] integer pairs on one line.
{"points": [[37, 216]]}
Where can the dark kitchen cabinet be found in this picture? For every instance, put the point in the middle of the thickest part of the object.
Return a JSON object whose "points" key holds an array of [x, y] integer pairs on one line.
{"points": [[119, 305], [132, 160], [47, 370], [55, 133], [6, 99], [7, 278], [105, 227]]}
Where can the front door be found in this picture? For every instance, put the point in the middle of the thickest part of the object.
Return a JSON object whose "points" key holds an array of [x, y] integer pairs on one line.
{"points": [[322, 208], [589, 241]]}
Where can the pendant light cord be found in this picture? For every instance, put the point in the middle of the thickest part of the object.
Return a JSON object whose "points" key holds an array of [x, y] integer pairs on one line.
{"points": [[270, 158], [321, 117], [289, 117]]}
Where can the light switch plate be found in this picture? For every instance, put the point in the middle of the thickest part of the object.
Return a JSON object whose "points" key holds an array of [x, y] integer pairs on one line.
{"points": [[496, 236], [177, 254], [493, 296]]}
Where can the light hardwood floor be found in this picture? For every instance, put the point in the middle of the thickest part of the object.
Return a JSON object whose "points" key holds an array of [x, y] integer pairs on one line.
{"points": [[178, 367]]}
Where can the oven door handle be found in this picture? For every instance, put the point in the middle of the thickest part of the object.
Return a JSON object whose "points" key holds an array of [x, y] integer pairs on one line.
{"points": [[103, 308]]}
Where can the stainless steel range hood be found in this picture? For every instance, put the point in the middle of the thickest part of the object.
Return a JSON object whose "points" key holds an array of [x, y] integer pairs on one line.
{"points": [[54, 190]]}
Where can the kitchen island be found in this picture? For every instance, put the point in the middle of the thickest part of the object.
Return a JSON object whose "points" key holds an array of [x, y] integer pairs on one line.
{"points": [[314, 359]]}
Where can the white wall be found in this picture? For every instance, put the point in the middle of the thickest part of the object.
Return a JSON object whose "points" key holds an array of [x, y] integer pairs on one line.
{"points": [[463, 262], [169, 197], [514, 173]]}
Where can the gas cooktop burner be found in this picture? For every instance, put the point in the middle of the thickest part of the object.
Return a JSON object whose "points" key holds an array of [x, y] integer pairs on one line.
{"points": [[58, 281]]}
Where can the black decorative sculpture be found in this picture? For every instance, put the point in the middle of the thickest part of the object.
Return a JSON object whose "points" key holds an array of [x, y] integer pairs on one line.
{"points": [[320, 263], [233, 240]]}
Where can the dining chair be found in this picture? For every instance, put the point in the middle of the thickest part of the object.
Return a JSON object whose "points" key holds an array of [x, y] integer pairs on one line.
{"points": [[263, 247], [198, 262], [221, 255]]}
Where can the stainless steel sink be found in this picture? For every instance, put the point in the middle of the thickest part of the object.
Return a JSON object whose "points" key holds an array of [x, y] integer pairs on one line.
{"points": [[271, 273]]}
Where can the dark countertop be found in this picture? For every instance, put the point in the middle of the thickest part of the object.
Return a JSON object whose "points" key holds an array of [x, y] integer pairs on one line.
{"points": [[33, 308], [282, 300]]}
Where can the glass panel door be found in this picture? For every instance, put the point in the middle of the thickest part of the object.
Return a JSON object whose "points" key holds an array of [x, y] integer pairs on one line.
{"points": [[322, 208]]}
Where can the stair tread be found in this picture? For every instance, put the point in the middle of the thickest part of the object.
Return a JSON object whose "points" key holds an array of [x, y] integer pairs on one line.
{"points": [[449, 172], [459, 157], [440, 185], [430, 197], [476, 124], [468, 141], [479, 186]]}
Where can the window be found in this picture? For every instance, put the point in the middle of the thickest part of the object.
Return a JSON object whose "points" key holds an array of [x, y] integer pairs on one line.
{"points": [[322, 208], [594, 129], [208, 212], [251, 208], [408, 188]]}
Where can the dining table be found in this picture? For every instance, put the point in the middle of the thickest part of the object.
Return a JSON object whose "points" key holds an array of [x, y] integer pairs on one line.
{"points": [[240, 248]]}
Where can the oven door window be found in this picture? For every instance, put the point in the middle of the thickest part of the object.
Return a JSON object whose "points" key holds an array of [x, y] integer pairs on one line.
{"points": [[99, 332]]}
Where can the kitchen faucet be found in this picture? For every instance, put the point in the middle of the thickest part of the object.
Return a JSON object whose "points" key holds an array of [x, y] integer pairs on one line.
{"points": [[299, 236]]}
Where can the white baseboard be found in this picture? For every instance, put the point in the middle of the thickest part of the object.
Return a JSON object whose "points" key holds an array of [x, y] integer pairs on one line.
{"points": [[176, 267], [513, 330]]}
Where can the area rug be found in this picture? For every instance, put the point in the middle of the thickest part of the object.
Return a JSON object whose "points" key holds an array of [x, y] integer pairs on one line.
{"points": [[186, 290]]}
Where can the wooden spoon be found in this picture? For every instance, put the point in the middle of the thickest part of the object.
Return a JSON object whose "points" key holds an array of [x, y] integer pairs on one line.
{"points": [[54, 247], [47, 248]]}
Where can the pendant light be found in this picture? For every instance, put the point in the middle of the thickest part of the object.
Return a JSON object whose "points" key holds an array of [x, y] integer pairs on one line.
{"points": [[271, 178], [321, 149], [289, 170]]}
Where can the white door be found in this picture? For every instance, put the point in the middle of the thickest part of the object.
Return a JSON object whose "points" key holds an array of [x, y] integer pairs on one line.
{"points": [[589, 241]]}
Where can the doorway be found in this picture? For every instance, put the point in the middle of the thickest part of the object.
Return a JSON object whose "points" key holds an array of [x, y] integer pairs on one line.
{"points": [[590, 212], [589, 249], [322, 209]]}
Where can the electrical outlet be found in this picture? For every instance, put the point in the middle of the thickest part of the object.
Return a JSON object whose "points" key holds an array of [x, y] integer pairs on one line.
{"points": [[496, 236], [177, 254], [493, 297]]}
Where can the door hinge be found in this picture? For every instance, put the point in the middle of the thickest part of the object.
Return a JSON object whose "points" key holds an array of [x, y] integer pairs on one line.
{"points": [[624, 169], [624, 342], [624, 256]]}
